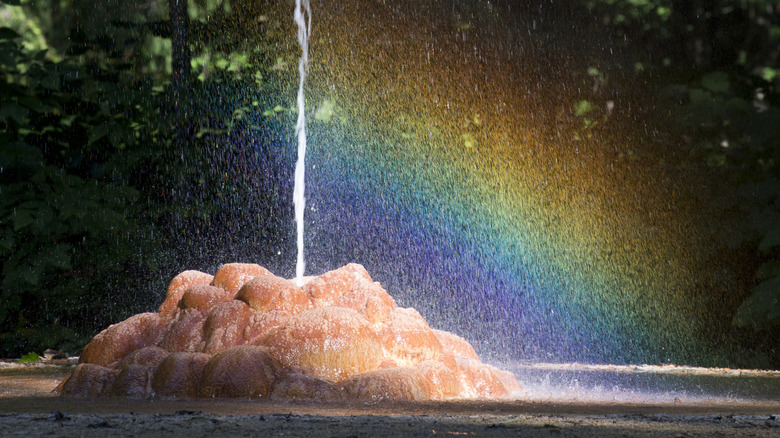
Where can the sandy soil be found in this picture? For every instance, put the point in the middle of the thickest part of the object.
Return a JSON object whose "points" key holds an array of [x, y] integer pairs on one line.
{"points": [[28, 408]]}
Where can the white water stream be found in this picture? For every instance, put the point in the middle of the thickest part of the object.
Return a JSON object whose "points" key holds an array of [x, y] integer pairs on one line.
{"points": [[302, 18]]}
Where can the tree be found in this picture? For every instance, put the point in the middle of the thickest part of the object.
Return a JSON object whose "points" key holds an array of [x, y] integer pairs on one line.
{"points": [[103, 168], [70, 145], [716, 63]]}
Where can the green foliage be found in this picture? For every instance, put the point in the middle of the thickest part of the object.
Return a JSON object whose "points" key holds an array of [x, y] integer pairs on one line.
{"points": [[590, 115], [14, 17], [207, 64], [715, 63], [71, 142], [735, 123], [729, 111], [102, 165], [30, 358], [709, 35], [583, 108]]}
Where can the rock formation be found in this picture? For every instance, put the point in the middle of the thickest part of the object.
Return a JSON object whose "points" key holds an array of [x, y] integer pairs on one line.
{"points": [[246, 333]]}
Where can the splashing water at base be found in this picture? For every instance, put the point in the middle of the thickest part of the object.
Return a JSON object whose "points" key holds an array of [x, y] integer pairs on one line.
{"points": [[657, 385], [302, 18]]}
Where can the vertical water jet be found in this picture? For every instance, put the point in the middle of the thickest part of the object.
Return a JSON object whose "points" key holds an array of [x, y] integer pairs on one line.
{"points": [[302, 17]]}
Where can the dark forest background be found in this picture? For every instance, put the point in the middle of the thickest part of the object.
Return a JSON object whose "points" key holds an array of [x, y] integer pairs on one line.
{"points": [[114, 153]]}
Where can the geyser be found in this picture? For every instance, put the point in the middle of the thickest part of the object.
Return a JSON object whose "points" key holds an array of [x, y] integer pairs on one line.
{"points": [[246, 333], [302, 16]]}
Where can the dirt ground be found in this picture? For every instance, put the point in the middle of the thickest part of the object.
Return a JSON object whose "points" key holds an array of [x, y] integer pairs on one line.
{"points": [[187, 423], [28, 408]]}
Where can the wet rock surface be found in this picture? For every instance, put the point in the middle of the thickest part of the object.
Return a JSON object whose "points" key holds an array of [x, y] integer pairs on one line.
{"points": [[246, 333]]}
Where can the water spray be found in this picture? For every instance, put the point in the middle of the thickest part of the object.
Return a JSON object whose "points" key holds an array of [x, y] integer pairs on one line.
{"points": [[302, 17]]}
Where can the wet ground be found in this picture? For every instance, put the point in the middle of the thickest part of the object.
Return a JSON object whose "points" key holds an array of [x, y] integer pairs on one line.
{"points": [[560, 400]]}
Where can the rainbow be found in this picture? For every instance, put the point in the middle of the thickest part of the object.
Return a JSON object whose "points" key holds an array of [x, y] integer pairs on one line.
{"points": [[445, 156]]}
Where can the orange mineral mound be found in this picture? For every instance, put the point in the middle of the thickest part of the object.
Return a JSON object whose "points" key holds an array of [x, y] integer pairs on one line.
{"points": [[179, 285], [246, 333], [269, 292], [332, 343]]}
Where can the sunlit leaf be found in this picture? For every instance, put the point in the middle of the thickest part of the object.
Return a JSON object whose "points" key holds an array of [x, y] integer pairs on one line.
{"points": [[280, 65], [769, 74], [325, 112], [468, 140], [583, 107]]}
